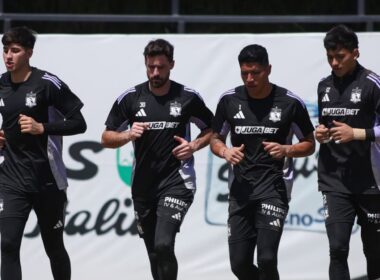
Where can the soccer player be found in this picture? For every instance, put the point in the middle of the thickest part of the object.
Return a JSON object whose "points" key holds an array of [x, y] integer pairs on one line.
{"points": [[259, 116], [348, 164], [158, 113], [37, 110]]}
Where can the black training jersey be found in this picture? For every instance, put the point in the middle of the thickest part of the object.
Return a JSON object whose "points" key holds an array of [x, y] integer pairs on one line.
{"points": [[252, 121], [352, 167], [156, 170], [32, 162]]}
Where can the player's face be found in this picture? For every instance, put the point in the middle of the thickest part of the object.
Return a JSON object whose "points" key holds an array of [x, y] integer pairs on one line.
{"points": [[255, 76], [158, 70], [16, 57], [342, 61]]}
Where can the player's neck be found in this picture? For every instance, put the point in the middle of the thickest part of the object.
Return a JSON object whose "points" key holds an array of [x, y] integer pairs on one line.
{"points": [[21, 75], [161, 91], [261, 94]]}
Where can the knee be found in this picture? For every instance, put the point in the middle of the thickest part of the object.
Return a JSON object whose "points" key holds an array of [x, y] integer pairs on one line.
{"points": [[339, 252], [9, 247], [239, 266], [163, 249], [267, 262], [56, 251]]}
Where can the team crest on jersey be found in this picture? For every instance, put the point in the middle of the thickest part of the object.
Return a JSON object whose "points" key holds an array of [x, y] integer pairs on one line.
{"points": [[31, 99], [356, 94], [275, 114], [175, 109]]}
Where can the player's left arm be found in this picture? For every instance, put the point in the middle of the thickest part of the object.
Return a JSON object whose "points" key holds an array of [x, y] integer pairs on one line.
{"points": [[73, 125], [186, 149], [306, 144], [304, 148], [65, 119], [202, 117], [343, 133]]}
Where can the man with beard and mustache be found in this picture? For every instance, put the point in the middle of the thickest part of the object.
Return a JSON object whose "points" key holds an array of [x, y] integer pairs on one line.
{"points": [[158, 113]]}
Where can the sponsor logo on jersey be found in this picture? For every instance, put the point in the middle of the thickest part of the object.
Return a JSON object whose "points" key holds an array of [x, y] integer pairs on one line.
{"points": [[239, 114], [162, 125], [275, 114], [141, 113], [326, 98], [175, 109], [255, 130], [31, 99], [356, 95], [339, 112], [2, 103]]}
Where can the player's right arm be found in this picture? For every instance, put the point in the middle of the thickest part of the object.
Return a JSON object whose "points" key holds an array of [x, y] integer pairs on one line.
{"points": [[233, 155], [116, 139]]}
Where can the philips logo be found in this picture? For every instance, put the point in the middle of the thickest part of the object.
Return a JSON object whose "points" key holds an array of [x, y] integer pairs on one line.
{"points": [[255, 130], [339, 112]]}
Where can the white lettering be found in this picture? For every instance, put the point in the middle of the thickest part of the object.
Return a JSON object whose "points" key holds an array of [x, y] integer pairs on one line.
{"points": [[255, 130]]}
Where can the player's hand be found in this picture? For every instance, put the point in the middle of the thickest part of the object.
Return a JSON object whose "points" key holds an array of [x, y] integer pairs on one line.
{"points": [[137, 130], [2, 139], [341, 132], [184, 150], [29, 125], [234, 155], [276, 150], [322, 134]]}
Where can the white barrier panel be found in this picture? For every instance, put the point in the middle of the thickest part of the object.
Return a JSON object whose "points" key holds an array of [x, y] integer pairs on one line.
{"points": [[101, 235]]}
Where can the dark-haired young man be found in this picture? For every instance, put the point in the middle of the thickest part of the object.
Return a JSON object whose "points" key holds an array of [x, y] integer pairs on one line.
{"points": [[259, 116], [349, 156], [158, 113], [37, 109]]}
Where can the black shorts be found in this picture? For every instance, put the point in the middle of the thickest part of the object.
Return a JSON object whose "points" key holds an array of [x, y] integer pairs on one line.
{"points": [[171, 209], [343, 208], [50, 202], [246, 216]]}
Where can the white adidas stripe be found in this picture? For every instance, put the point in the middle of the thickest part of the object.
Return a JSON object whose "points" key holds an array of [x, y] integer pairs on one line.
{"points": [[125, 93], [374, 78], [52, 79]]}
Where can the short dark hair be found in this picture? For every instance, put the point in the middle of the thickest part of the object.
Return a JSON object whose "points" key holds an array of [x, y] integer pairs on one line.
{"points": [[341, 36], [254, 53], [22, 35], [159, 47]]}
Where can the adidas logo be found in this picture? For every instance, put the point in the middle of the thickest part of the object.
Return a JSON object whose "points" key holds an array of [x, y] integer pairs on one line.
{"points": [[275, 223], [58, 225], [177, 216], [326, 98], [2, 103], [239, 115], [141, 113]]}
